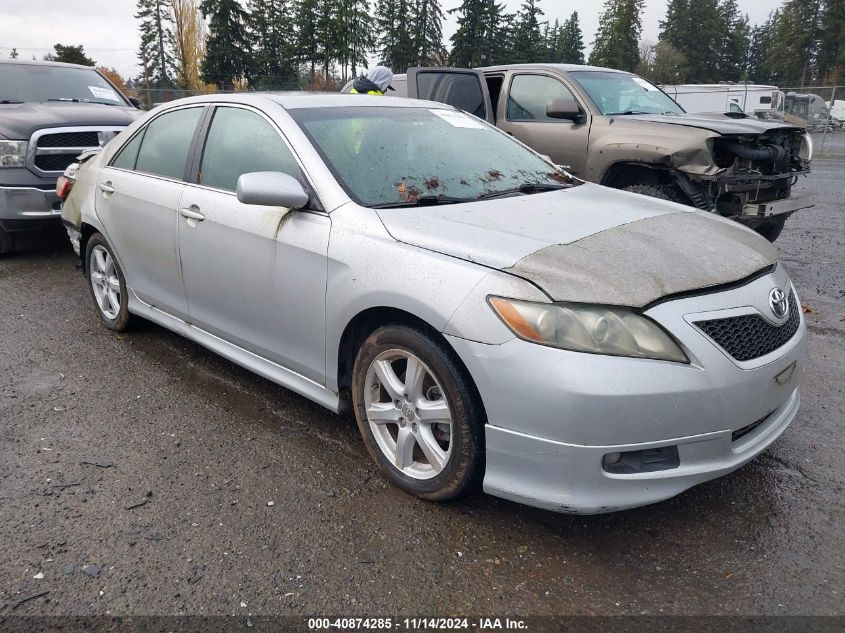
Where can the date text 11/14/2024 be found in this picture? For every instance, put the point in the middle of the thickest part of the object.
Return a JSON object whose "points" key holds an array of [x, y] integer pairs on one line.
{"points": [[417, 624]]}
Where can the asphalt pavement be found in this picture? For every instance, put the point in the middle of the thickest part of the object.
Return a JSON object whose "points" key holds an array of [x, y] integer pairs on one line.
{"points": [[141, 474]]}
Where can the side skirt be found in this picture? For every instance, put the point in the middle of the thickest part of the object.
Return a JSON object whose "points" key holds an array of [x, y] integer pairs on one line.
{"points": [[246, 359]]}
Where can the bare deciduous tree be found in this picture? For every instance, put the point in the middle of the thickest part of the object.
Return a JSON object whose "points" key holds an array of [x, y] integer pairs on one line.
{"points": [[188, 42]]}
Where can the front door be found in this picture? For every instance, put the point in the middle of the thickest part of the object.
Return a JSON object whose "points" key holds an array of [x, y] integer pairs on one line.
{"points": [[255, 275], [137, 200], [524, 117]]}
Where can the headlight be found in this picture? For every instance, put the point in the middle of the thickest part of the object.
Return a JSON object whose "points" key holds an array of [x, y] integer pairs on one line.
{"points": [[588, 328], [13, 153], [806, 151]]}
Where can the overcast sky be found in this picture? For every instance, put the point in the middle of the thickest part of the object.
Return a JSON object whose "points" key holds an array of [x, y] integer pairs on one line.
{"points": [[109, 31]]}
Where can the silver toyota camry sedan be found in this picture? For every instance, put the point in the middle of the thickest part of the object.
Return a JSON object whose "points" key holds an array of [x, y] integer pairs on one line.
{"points": [[488, 319]]}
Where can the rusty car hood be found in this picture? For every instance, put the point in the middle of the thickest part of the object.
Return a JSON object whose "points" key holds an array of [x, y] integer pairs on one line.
{"points": [[715, 122], [589, 244]]}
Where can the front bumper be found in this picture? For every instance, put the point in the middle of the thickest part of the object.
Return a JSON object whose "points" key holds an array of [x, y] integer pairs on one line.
{"points": [[552, 415], [22, 207], [765, 210]]}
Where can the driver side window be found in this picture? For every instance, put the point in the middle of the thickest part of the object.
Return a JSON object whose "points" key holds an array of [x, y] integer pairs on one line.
{"points": [[529, 95], [240, 142]]}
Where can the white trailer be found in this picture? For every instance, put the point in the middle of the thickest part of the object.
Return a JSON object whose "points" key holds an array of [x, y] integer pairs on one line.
{"points": [[748, 98]]}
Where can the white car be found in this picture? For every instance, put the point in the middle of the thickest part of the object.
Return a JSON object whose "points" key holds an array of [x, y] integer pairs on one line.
{"points": [[489, 319]]}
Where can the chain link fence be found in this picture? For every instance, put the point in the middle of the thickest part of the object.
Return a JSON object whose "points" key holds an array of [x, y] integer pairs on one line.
{"points": [[821, 108]]}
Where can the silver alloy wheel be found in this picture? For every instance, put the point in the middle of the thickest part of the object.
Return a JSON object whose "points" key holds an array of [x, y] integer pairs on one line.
{"points": [[408, 414], [104, 282]]}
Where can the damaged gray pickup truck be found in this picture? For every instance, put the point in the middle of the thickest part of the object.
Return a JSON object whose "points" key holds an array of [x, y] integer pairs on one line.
{"points": [[617, 129]]}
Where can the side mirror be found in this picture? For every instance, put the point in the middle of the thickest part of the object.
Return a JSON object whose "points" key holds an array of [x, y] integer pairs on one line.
{"points": [[272, 189], [135, 101], [565, 109]]}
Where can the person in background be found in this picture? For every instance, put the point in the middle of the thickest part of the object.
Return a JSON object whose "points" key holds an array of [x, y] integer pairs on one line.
{"points": [[375, 82]]}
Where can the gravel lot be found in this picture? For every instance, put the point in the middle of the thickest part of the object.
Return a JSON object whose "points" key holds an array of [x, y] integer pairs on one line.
{"points": [[142, 474]]}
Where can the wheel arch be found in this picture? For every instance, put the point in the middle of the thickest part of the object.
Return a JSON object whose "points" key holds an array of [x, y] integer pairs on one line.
{"points": [[368, 321], [621, 174]]}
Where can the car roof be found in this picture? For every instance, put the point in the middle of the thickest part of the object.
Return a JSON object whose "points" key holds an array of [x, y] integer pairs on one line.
{"points": [[298, 100], [36, 62], [558, 67]]}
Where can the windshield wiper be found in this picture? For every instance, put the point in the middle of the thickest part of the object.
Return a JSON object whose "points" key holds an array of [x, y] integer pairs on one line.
{"points": [[526, 188], [8, 101], [70, 100], [423, 201], [627, 112]]}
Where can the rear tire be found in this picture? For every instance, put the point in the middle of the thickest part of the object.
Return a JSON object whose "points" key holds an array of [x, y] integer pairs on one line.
{"points": [[107, 284], [772, 229], [663, 192], [418, 413], [7, 242]]}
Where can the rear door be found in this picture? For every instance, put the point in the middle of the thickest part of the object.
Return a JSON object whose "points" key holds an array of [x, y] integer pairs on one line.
{"points": [[463, 88], [137, 201], [523, 115]]}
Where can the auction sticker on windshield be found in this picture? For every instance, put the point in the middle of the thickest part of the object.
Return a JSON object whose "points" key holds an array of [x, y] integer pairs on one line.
{"points": [[103, 93], [645, 84], [458, 119]]}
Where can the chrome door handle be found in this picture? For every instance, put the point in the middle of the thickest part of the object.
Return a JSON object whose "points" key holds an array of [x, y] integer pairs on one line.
{"points": [[106, 187], [191, 213]]}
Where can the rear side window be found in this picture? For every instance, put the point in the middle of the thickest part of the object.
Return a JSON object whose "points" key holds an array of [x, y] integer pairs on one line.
{"points": [[167, 142], [128, 153], [462, 90], [240, 142], [530, 94]]}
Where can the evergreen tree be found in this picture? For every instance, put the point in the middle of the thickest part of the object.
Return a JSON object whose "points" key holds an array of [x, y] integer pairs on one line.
{"points": [[759, 50], [551, 40], [226, 56], [427, 18], [527, 40], [484, 36], [732, 55], [395, 41], [67, 54], [570, 48], [694, 27], [794, 56], [831, 57], [271, 63], [470, 38], [617, 39], [306, 25], [156, 43], [356, 36]]}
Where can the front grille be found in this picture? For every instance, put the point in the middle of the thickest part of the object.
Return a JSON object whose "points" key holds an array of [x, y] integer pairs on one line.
{"points": [[55, 162], [751, 336], [70, 139]]}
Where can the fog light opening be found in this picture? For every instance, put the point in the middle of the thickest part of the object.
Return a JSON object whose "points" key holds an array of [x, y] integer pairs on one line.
{"points": [[645, 461]]}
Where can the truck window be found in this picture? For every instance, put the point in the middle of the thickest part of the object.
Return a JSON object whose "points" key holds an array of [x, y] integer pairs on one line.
{"points": [[530, 94], [462, 90]]}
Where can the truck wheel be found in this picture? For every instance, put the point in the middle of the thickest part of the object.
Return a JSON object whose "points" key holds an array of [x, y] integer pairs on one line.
{"points": [[7, 242], [664, 192], [418, 413], [772, 228]]}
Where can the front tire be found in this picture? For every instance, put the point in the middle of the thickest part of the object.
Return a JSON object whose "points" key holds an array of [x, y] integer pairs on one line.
{"points": [[107, 284], [418, 413], [663, 192]]}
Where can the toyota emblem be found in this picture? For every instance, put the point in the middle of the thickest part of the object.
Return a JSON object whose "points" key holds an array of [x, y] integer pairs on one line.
{"points": [[778, 303]]}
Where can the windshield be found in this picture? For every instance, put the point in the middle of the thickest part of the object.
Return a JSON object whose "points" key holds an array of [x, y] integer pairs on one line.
{"points": [[34, 82], [396, 156], [620, 93]]}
